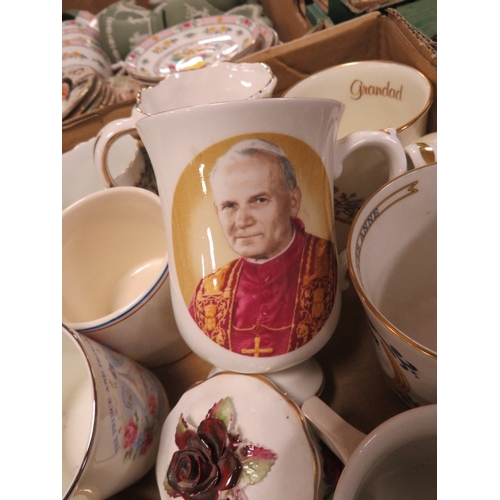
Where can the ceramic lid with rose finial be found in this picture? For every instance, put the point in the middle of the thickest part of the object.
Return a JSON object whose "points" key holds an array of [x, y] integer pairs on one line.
{"points": [[237, 437]]}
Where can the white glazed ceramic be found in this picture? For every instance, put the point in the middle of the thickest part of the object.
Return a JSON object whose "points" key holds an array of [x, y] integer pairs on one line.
{"points": [[392, 257], [192, 45], [423, 151], [115, 275], [84, 26], [223, 82], [377, 95], [397, 460], [112, 413], [79, 176], [286, 462], [184, 145]]}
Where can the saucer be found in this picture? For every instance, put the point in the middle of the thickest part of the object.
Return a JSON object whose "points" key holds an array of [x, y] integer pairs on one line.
{"points": [[194, 44]]}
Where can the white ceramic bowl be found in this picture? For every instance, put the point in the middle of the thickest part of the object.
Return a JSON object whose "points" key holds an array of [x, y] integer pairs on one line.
{"points": [[222, 82]]}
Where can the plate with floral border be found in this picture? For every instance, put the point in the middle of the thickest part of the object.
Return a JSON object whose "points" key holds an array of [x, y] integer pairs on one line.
{"points": [[192, 44]]}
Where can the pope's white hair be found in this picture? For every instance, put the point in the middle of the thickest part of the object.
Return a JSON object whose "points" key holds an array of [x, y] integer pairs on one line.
{"points": [[250, 147]]}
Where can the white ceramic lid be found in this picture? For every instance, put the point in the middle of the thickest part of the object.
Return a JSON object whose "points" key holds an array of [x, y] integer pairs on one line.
{"points": [[268, 422]]}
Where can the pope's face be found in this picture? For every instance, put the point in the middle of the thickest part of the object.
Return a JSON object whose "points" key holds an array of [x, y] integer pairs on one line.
{"points": [[254, 207]]}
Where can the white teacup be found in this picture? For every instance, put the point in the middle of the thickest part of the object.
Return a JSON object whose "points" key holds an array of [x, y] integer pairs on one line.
{"points": [[222, 82], [112, 414], [247, 197], [396, 461], [377, 95], [392, 257], [115, 275]]}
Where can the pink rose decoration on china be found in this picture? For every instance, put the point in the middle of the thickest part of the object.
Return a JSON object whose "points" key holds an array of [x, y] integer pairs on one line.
{"points": [[130, 434], [212, 462]]}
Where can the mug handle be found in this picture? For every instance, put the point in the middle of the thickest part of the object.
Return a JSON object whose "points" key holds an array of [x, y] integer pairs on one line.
{"points": [[342, 438], [105, 138], [386, 141]]}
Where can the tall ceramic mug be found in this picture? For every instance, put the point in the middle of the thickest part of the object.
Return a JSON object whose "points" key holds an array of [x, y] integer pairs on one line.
{"points": [[392, 257], [222, 82], [377, 95], [115, 275], [112, 413], [247, 200]]}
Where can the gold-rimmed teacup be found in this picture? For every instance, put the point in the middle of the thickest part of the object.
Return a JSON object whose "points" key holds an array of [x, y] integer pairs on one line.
{"points": [[392, 259], [377, 95]]}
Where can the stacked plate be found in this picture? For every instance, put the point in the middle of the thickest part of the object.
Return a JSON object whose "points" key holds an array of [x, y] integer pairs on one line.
{"points": [[195, 44], [88, 81]]}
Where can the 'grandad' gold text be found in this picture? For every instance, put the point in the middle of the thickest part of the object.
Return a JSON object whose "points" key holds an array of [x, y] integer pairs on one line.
{"points": [[359, 89]]}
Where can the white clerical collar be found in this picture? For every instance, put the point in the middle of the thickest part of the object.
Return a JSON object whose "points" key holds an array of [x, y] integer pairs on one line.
{"points": [[263, 261]]}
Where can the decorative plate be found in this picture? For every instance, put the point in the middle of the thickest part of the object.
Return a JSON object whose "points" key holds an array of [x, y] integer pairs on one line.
{"points": [[193, 44]]}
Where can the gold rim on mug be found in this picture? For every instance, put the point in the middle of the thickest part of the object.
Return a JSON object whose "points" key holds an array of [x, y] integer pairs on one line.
{"points": [[405, 125], [358, 286], [74, 337]]}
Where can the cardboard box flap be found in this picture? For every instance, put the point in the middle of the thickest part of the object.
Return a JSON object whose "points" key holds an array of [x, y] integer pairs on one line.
{"points": [[421, 42], [295, 60]]}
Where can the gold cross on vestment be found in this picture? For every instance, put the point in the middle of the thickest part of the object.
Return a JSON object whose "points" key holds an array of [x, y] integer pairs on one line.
{"points": [[256, 349]]}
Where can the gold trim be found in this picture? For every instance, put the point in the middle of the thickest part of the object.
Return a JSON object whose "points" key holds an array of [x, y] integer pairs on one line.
{"points": [[359, 288], [426, 152], [104, 164]]}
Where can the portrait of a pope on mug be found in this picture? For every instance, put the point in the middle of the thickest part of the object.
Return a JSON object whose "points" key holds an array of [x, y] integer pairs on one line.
{"points": [[276, 296]]}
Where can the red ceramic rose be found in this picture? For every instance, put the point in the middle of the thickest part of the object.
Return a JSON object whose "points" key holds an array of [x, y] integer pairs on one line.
{"points": [[212, 463]]}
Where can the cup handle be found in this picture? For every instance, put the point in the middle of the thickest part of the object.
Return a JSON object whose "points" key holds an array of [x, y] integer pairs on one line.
{"points": [[342, 438], [385, 141], [105, 138], [423, 151]]}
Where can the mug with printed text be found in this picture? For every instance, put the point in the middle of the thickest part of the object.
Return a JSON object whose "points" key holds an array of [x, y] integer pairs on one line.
{"points": [[377, 95]]}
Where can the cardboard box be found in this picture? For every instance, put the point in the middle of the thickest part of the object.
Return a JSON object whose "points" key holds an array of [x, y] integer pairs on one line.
{"points": [[371, 36]]}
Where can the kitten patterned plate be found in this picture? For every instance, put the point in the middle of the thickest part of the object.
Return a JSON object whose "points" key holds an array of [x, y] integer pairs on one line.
{"points": [[193, 44]]}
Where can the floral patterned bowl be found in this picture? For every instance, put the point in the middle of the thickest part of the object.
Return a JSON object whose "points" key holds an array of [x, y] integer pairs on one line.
{"points": [[237, 437]]}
